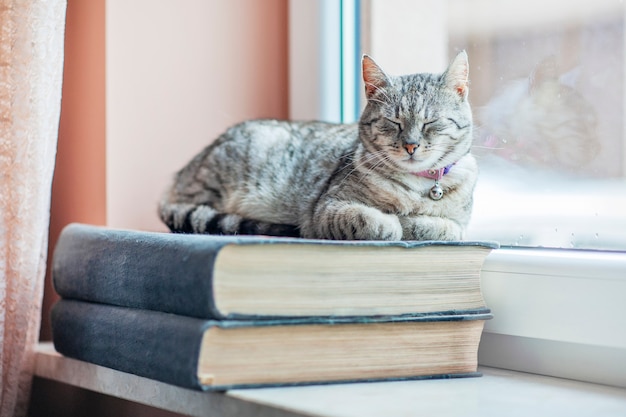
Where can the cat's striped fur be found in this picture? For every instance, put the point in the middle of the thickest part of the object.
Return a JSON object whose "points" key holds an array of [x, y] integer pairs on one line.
{"points": [[339, 181]]}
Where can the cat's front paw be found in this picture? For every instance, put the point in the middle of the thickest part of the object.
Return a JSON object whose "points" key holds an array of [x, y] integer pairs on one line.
{"points": [[431, 228], [357, 222]]}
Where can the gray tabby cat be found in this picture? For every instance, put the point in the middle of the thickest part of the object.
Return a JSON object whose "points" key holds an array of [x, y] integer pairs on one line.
{"points": [[403, 172]]}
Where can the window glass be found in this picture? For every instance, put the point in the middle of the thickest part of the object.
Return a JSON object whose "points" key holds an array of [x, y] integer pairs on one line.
{"points": [[547, 91]]}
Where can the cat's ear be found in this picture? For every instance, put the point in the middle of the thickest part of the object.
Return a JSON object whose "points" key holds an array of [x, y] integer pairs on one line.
{"points": [[545, 71], [374, 77], [457, 75]]}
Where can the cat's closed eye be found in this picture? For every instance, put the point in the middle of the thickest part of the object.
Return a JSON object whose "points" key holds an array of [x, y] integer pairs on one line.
{"points": [[436, 126], [394, 124]]}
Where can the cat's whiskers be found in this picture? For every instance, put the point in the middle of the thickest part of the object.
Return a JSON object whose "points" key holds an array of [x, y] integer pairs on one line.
{"points": [[487, 147], [351, 155], [381, 157], [354, 166], [372, 168], [368, 157]]}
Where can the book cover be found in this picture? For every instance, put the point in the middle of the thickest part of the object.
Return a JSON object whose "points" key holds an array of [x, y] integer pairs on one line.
{"points": [[219, 355], [257, 277]]}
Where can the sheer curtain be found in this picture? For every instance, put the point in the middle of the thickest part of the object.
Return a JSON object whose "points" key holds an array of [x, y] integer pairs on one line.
{"points": [[31, 68]]}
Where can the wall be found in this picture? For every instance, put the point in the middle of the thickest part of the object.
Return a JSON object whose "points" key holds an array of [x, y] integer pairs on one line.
{"points": [[78, 189], [179, 73], [147, 84]]}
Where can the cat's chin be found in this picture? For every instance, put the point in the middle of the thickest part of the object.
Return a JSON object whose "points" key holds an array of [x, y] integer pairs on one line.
{"points": [[414, 165]]}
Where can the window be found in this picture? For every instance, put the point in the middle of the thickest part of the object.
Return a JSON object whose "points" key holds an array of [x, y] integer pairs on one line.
{"points": [[547, 89]]}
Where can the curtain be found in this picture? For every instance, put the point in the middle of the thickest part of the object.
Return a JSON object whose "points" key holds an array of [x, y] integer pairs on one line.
{"points": [[31, 68]]}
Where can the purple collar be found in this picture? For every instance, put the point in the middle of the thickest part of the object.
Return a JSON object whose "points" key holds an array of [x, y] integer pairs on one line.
{"points": [[435, 174]]}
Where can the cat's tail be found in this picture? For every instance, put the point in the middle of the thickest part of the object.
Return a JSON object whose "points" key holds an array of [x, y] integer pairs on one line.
{"points": [[203, 219]]}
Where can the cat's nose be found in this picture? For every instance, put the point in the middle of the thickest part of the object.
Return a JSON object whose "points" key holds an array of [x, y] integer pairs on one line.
{"points": [[410, 148]]}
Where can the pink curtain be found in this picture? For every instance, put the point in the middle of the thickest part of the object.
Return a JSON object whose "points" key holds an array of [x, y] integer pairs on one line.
{"points": [[31, 68]]}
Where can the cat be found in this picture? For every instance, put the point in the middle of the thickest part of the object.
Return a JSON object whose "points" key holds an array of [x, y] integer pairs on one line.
{"points": [[541, 122], [403, 172]]}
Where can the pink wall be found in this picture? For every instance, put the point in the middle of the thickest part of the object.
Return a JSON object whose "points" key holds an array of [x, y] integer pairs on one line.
{"points": [[78, 189], [178, 74]]}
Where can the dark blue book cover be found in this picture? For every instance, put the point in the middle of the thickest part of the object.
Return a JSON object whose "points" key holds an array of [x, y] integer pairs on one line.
{"points": [[223, 354]]}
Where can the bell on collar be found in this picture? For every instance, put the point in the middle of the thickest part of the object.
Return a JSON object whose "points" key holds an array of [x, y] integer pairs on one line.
{"points": [[436, 192]]}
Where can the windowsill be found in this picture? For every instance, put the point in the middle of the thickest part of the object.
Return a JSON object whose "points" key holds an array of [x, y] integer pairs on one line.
{"points": [[497, 393], [556, 312]]}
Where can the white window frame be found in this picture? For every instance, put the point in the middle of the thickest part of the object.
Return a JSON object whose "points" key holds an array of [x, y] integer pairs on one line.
{"points": [[324, 81], [556, 312]]}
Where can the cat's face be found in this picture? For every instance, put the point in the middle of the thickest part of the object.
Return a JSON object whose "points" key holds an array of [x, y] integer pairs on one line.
{"points": [[560, 125], [417, 122], [542, 122]]}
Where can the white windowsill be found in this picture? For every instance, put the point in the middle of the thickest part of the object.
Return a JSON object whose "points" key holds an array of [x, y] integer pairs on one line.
{"points": [[556, 312]]}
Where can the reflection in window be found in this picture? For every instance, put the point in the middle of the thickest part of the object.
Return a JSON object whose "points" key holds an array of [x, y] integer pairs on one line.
{"points": [[547, 89]]}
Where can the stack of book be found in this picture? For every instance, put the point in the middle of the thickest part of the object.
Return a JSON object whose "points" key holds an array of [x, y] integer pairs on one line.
{"points": [[216, 312]]}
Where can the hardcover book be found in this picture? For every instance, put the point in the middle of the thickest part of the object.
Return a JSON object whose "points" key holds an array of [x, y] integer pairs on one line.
{"points": [[224, 354], [226, 277]]}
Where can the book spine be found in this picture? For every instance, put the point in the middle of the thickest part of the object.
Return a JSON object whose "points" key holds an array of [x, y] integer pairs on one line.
{"points": [[151, 344], [155, 271]]}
